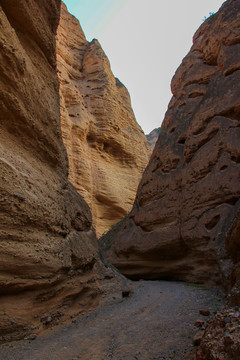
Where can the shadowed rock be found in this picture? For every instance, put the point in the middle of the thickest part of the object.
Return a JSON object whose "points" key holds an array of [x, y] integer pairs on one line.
{"points": [[188, 198], [153, 136], [50, 267], [185, 222]]}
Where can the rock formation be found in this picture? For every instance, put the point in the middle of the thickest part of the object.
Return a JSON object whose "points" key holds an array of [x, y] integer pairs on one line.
{"points": [[50, 268], [107, 149], [184, 223], [153, 136]]}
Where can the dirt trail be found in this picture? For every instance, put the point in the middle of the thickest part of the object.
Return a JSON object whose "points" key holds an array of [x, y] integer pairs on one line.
{"points": [[156, 322]]}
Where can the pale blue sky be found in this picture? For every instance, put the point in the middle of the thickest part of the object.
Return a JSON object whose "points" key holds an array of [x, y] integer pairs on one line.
{"points": [[145, 41]]}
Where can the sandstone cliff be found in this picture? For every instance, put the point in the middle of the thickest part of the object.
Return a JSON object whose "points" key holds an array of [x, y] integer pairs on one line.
{"points": [[185, 222], [152, 137], [188, 198], [107, 149], [49, 266]]}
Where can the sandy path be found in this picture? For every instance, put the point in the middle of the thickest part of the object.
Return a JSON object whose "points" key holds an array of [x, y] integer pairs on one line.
{"points": [[156, 322]]}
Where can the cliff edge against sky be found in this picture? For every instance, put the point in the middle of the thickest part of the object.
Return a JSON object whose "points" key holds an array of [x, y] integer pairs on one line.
{"points": [[185, 222], [107, 149]]}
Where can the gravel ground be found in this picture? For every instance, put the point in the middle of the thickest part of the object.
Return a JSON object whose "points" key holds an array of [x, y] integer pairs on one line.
{"points": [[155, 322]]}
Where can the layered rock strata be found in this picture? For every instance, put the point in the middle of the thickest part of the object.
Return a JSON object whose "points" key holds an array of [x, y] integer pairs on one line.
{"points": [[50, 268], [107, 149], [185, 220]]}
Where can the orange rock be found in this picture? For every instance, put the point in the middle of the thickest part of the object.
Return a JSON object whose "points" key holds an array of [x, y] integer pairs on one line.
{"points": [[185, 221], [107, 149], [50, 267]]}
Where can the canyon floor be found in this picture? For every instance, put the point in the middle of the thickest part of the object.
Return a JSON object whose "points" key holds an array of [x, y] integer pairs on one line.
{"points": [[155, 322]]}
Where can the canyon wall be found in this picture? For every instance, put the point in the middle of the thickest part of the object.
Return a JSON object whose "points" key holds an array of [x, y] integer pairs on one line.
{"points": [[107, 149], [185, 220], [152, 137], [50, 268]]}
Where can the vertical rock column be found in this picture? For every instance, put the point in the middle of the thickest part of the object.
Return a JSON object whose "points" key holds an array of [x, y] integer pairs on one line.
{"points": [[106, 147]]}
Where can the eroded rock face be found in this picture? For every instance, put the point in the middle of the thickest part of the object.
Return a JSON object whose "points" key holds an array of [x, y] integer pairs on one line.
{"points": [[185, 220], [221, 339], [106, 147], [50, 267], [153, 136]]}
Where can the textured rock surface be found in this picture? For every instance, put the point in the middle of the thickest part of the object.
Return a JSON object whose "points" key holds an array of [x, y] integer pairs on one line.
{"points": [[185, 221], [49, 266], [152, 137], [107, 149], [221, 338]]}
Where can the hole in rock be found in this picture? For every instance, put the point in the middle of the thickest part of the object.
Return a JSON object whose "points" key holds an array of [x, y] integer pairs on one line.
{"points": [[125, 293], [90, 138], [172, 130], [236, 159], [182, 104], [223, 167], [106, 146], [182, 141], [232, 201], [213, 222]]}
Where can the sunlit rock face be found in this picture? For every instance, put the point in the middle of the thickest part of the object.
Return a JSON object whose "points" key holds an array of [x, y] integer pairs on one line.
{"points": [[185, 220], [49, 268], [107, 149]]}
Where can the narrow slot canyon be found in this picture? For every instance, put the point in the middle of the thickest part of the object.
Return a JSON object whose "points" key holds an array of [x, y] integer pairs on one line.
{"points": [[115, 244]]}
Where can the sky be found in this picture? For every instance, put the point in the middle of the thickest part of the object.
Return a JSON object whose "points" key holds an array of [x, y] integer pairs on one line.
{"points": [[145, 42]]}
